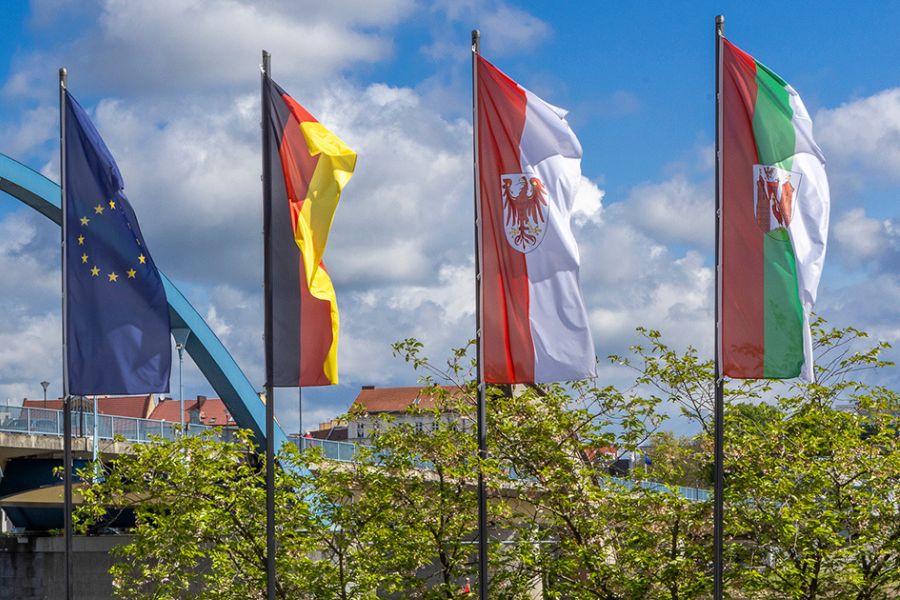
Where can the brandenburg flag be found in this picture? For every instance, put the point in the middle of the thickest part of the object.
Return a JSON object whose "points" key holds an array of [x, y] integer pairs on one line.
{"points": [[534, 320], [310, 167], [775, 204]]}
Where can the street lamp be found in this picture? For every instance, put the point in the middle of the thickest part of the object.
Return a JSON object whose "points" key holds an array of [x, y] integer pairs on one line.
{"points": [[181, 336], [45, 385]]}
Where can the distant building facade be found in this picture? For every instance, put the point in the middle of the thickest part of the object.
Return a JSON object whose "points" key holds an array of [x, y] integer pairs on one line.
{"points": [[366, 415]]}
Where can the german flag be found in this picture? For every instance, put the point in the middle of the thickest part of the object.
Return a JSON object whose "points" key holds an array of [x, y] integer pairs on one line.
{"points": [[309, 168]]}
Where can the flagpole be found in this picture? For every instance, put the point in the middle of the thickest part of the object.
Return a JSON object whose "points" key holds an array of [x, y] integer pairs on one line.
{"points": [[267, 292], [719, 408], [67, 403], [483, 576]]}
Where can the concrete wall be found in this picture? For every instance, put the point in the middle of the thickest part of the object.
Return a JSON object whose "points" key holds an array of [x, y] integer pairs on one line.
{"points": [[33, 568]]}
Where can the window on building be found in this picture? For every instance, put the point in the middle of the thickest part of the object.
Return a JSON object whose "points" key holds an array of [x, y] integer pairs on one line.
{"points": [[419, 425], [360, 430]]}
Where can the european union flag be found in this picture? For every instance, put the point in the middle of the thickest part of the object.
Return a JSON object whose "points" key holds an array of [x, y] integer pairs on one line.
{"points": [[117, 317]]}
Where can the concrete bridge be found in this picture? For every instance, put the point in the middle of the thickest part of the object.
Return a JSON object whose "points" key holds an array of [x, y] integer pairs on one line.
{"points": [[31, 447]]}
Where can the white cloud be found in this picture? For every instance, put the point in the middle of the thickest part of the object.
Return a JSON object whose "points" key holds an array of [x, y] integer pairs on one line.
{"points": [[30, 304], [858, 238], [588, 205], [861, 140], [167, 46], [34, 127], [676, 210], [504, 29], [401, 251]]}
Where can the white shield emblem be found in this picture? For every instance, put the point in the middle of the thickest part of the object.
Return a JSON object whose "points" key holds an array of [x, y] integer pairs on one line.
{"points": [[774, 195], [525, 210]]}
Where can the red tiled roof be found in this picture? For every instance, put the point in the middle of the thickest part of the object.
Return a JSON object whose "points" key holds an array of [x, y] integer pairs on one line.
{"points": [[335, 434], [212, 411], [593, 454], [392, 399], [121, 406]]}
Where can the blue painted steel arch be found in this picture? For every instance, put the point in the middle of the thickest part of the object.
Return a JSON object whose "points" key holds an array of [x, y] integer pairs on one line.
{"points": [[206, 350]]}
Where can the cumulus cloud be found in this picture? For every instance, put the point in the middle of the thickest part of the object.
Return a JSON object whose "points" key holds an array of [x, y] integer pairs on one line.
{"points": [[861, 140], [167, 46], [504, 29], [859, 238], [401, 250], [30, 304], [588, 206], [676, 210]]}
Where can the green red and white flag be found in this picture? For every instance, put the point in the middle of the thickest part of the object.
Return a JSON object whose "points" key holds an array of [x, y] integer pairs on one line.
{"points": [[535, 326], [775, 207]]}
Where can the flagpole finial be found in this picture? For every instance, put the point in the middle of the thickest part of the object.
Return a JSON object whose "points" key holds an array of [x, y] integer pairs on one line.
{"points": [[720, 19], [266, 62], [63, 76], [476, 40]]}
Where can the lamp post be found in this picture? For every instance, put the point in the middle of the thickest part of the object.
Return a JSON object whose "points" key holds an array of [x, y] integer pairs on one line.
{"points": [[45, 385], [181, 336]]}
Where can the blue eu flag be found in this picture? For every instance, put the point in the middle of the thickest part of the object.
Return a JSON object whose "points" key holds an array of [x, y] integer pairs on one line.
{"points": [[117, 327]]}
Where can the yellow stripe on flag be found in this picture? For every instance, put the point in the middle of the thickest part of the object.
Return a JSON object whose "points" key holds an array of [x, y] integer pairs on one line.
{"points": [[333, 171], [323, 289]]}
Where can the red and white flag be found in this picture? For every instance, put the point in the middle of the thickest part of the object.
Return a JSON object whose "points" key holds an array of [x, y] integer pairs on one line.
{"points": [[535, 324]]}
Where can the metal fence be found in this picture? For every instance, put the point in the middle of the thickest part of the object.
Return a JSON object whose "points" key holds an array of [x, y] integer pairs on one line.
{"points": [[340, 451], [44, 421]]}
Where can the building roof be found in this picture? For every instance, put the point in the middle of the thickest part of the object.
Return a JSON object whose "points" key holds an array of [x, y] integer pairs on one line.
{"points": [[212, 411], [335, 434], [122, 406], [393, 399]]}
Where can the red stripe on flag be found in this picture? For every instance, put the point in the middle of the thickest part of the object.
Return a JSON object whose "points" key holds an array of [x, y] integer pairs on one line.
{"points": [[316, 335], [743, 319], [301, 114], [298, 165], [507, 342]]}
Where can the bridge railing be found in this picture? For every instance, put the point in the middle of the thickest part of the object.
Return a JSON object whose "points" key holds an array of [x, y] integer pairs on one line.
{"points": [[45, 421], [41, 421], [332, 450]]}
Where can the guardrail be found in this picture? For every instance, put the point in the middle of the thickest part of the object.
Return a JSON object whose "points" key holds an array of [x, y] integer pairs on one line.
{"points": [[45, 421], [346, 452], [42, 421]]}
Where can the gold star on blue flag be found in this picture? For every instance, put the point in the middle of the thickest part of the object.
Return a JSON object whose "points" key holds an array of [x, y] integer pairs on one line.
{"points": [[117, 325]]}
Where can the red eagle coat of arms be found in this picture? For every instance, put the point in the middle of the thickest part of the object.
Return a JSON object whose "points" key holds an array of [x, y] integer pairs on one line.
{"points": [[774, 196], [525, 210]]}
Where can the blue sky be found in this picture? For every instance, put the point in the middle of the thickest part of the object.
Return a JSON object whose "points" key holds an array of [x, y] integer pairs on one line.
{"points": [[173, 88]]}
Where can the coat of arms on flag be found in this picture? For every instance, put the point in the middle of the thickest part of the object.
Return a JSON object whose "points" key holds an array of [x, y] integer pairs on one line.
{"points": [[524, 210], [774, 195]]}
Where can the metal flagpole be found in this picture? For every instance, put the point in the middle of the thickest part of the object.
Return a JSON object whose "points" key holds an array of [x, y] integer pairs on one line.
{"points": [[67, 400], [267, 292], [719, 409], [95, 453], [483, 576]]}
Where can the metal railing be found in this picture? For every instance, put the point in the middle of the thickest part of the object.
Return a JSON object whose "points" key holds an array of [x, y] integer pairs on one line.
{"points": [[42, 421], [346, 452], [332, 450]]}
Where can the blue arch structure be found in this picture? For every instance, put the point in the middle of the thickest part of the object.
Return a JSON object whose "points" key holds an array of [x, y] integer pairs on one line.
{"points": [[206, 350]]}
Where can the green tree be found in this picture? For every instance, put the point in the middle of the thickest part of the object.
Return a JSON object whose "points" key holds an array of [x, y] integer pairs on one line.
{"points": [[812, 492], [570, 524]]}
